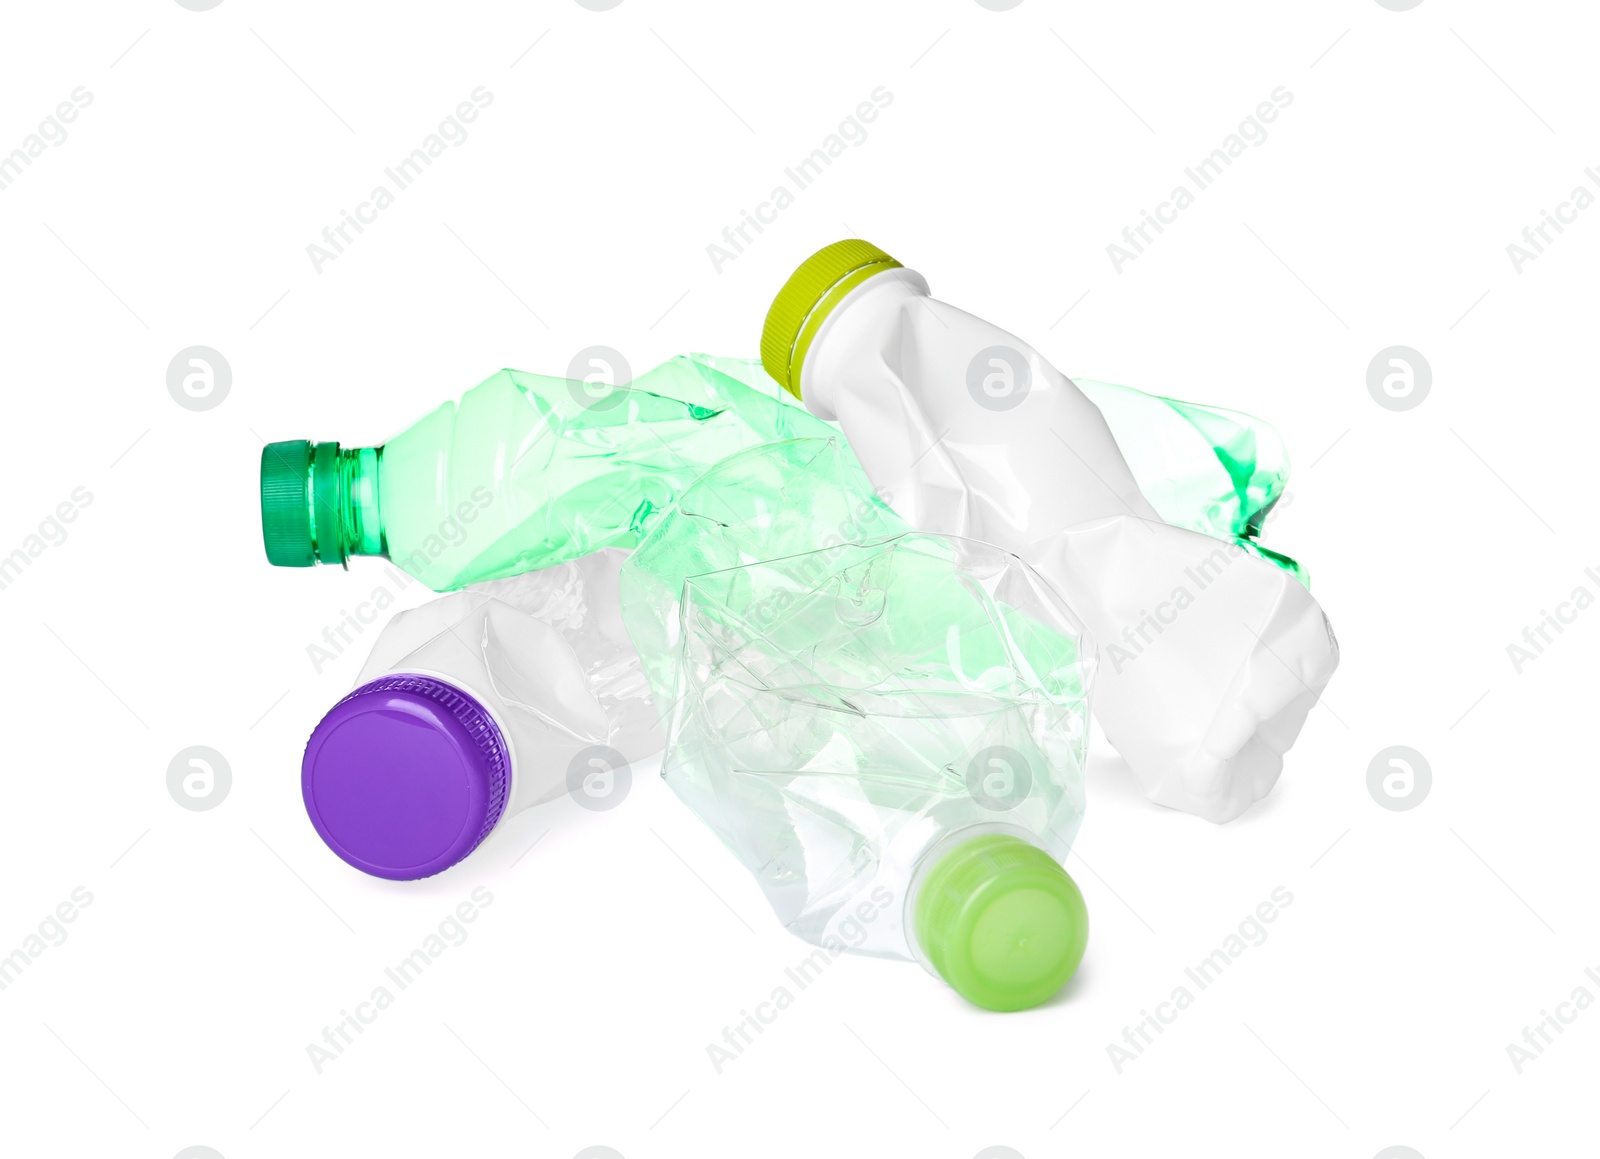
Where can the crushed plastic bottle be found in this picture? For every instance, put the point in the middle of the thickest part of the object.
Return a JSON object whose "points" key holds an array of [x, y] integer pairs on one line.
{"points": [[1212, 657], [473, 707], [524, 472], [886, 727]]}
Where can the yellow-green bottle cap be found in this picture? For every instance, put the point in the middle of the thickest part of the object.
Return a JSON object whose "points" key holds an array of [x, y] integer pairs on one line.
{"points": [[800, 308], [1001, 922]]}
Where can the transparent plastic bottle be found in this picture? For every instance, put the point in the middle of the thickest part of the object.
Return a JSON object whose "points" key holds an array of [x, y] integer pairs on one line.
{"points": [[472, 708], [886, 727]]}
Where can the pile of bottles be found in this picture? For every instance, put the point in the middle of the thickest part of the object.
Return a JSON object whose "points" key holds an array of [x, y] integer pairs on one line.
{"points": [[860, 596]]}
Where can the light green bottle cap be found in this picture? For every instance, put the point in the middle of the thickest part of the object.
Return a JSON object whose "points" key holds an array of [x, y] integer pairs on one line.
{"points": [[800, 308], [1001, 922]]}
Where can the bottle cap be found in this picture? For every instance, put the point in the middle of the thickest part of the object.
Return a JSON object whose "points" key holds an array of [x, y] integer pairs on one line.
{"points": [[285, 503], [800, 308], [405, 776], [1001, 922], [302, 499]]}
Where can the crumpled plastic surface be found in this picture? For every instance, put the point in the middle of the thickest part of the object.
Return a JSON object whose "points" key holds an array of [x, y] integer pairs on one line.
{"points": [[546, 652], [571, 472], [1205, 468], [551, 470], [580, 600], [841, 692]]}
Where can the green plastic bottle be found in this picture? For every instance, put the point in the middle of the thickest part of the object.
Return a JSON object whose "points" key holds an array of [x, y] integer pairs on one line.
{"points": [[526, 471]]}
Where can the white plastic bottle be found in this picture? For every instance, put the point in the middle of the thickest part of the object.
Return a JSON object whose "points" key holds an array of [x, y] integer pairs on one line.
{"points": [[1211, 658], [473, 707]]}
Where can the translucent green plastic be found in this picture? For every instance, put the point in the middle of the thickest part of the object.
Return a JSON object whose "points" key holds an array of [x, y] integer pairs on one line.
{"points": [[526, 471], [1215, 471]]}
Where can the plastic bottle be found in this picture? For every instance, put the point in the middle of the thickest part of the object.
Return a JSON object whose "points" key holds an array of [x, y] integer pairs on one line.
{"points": [[1212, 657], [524, 472], [473, 707], [886, 727]]}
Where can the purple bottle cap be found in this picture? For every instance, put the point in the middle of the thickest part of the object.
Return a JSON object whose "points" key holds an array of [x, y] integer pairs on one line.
{"points": [[405, 776]]}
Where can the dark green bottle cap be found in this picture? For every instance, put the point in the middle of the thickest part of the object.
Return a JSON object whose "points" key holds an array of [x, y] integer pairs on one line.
{"points": [[286, 523]]}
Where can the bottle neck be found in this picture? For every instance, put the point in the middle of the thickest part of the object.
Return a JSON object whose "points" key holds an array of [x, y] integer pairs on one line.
{"points": [[344, 501], [847, 326]]}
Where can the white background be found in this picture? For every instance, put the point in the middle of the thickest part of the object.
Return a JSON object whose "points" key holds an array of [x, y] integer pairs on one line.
{"points": [[1019, 143]]}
